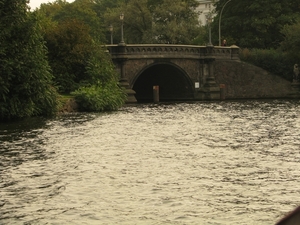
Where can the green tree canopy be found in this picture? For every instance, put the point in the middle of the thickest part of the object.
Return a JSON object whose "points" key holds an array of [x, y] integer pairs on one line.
{"points": [[146, 21], [69, 46], [80, 10], [175, 21], [81, 66], [137, 21], [71, 30], [25, 79], [151, 21], [291, 42], [256, 23]]}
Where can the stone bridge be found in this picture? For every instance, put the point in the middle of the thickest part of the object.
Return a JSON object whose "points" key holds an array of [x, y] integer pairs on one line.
{"points": [[182, 72]]}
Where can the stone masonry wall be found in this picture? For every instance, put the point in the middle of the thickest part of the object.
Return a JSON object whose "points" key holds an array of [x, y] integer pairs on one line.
{"points": [[244, 80], [193, 68]]}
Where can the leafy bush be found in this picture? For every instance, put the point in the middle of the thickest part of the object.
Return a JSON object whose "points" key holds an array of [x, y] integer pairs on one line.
{"points": [[274, 61], [26, 87], [291, 43], [99, 90], [99, 67], [98, 97], [69, 46]]}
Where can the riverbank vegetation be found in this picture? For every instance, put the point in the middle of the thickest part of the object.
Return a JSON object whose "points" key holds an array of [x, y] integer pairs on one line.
{"points": [[26, 87], [56, 49], [280, 60], [267, 32]]}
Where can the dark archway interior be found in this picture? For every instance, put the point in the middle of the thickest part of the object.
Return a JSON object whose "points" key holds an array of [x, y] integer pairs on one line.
{"points": [[173, 84]]}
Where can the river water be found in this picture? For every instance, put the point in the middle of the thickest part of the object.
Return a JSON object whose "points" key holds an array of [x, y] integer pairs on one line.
{"points": [[229, 162]]}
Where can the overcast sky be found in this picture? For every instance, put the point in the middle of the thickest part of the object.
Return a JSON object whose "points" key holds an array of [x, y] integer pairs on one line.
{"points": [[36, 3]]}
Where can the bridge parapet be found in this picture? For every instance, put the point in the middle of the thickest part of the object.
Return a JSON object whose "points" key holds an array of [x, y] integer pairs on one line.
{"points": [[221, 52], [173, 51], [167, 50]]}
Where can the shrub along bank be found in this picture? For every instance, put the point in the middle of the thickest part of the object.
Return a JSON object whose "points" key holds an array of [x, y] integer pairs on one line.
{"points": [[274, 61]]}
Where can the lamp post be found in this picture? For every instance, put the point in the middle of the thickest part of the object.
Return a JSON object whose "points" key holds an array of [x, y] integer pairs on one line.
{"points": [[111, 29], [209, 20], [220, 21], [122, 33]]}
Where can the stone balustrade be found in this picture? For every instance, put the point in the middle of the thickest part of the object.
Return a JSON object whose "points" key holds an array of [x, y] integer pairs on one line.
{"points": [[174, 51]]}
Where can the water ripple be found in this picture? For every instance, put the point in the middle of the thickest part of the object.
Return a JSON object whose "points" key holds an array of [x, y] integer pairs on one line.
{"points": [[177, 163]]}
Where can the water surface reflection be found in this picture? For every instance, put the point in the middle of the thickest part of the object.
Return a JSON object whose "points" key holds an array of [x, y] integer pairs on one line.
{"points": [[180, 163]]}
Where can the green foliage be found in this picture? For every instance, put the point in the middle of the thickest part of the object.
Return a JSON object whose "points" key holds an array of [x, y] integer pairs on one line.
{"points": [[165, 21], [99, 97], [52, 7], [79, 10], [69, 46], [274, 61], [99, 67], [25, 80], [100, 90], [175, 22], [82, 10], [71, 31], [101, 6], [146, 21], [73, 34], [291, 42], [137, 21], [256, 23], [281, 60]]}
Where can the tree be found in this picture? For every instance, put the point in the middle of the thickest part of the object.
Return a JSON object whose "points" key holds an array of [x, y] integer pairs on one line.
{"points": [[80, 10], [137, 21], [151, 21], [69, 44], [25, 80], [101, 92], [101, 6], [71, 29], [255, 24], [73, 33], [175, 22], [291, 42], [52, 8]]}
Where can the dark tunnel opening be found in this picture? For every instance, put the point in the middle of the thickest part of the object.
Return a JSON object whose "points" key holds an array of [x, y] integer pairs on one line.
{"points": [[173, 84]]}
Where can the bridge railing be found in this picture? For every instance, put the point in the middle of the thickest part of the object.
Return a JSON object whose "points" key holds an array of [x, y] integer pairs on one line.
{"points": [[173, 51], [231, 52]]}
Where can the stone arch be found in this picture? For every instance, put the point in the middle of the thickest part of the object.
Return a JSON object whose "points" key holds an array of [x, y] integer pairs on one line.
{"points": [[174, 83]]}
